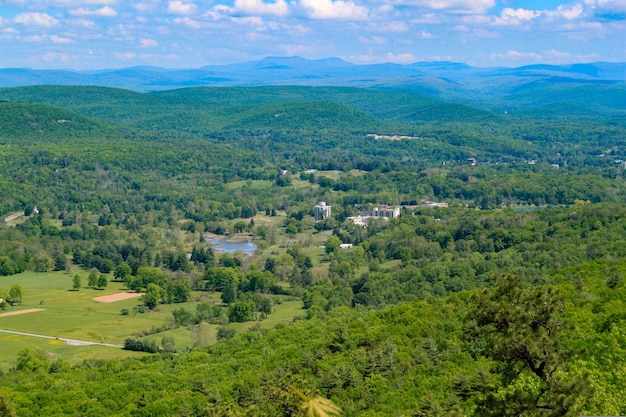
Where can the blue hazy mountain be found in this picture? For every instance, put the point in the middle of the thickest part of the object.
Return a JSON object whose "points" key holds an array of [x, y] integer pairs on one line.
{"points": [[601, 85]]}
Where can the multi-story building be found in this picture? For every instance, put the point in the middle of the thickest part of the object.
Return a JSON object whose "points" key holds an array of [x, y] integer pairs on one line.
{"points": [[322, 212]]}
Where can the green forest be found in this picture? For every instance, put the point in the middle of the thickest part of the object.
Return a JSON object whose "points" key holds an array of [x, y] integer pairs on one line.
{"points": [[496, 289]]}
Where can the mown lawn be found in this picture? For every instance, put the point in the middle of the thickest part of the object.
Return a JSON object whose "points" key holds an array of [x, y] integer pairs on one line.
{"points": [[75, 315]]}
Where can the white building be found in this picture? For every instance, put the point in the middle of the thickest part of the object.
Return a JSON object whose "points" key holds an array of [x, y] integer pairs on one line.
{"points": [[322, 212]]}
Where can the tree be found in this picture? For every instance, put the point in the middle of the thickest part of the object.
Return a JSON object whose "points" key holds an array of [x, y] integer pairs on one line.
{"points": [[102, 281], [122, 272], [76, 283], [32, 360], [519, 331], [317, 406], [16, 293], [92, 279], [240, 311], [332, 244], [153, 296], [60, 261]]}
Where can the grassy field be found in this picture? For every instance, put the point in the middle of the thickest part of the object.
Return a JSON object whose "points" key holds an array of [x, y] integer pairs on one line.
{"points": [[75, 315]]}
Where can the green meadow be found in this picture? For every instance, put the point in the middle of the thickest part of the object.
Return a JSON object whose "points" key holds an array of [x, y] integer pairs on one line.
{"points": [[75, 315]]}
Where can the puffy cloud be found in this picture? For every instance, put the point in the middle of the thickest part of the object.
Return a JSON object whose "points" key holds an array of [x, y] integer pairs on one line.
{"points": [[259, 7], [36, 19], [405, 58], [105, 11], [611, 6], [568, 13], [510, 16], [179, 7], [148, 43], [144, 6], [339, 10], [458, 6], [523, 55], [127, 56]]}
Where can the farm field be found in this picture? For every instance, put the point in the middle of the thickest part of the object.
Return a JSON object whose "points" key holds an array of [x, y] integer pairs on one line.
{"points": [[52, 309]]}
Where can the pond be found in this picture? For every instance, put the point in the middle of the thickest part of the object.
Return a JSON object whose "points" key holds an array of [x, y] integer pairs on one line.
{"points": [[223, 245]]}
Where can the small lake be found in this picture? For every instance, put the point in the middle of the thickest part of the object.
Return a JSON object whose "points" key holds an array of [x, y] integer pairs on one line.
{"points": [[223, 245]]}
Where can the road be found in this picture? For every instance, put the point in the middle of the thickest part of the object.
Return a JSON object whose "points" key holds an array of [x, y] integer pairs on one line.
{"points": [[70, 342]]}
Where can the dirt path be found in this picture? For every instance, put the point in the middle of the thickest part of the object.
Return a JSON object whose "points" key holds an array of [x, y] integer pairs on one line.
{"points": [[15, 313], [70, 342], [117, 297]]}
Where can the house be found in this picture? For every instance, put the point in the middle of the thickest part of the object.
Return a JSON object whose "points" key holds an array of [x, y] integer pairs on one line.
{"points": [[345, 246], [322, 212]]}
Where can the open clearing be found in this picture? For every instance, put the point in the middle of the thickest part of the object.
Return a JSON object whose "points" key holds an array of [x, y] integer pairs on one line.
{"points": [[120, 296], [15, 313], [89, 324]]}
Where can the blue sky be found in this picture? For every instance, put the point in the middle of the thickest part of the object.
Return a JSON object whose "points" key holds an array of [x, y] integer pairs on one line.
{"points": [[93, 34]]}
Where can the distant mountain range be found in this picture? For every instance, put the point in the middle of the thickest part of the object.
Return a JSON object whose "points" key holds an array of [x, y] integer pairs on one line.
{"points": [[448, 80]]}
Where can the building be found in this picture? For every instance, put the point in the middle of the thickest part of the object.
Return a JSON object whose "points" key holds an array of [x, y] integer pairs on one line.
{"points": [[385, 211], [322, 212]]}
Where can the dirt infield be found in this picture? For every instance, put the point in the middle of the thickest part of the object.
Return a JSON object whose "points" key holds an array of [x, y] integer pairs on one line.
{"points": [[117, 297], [15, 313]]}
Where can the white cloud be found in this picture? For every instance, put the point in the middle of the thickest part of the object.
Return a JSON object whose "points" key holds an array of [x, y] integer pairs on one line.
{"points": [[568, 13], [190, 23], [144, 6], [514, 17], [389, 27], [54, 56], [616, 6], [62, 40], [424, 34], [405, 58], [127, 56], [458, 6], [178, 7], [523, 55], [77, 3], [105, 11], [36, 19], [148, 43], [329, 9], [85, 23], [259, 7]]}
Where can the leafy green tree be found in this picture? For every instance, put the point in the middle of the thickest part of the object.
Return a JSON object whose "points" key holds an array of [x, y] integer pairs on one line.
{"points": [[178, 291], [76, 282], [240, 311], [32, 360], [92, 279], [6, 409], [332, 244], [519, 330], [102, 281], [122, 272], [16, 293], [153, 296]]}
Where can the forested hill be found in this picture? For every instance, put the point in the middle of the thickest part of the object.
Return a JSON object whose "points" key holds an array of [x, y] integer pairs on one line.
{"points": [[472, 263], [27, 121]]}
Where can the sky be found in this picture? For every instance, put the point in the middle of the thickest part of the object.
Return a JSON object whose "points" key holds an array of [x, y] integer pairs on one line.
{"points": [[97, 34]]}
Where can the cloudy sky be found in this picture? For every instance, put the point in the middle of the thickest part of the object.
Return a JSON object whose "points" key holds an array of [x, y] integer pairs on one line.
{"points": [[90, 34]]}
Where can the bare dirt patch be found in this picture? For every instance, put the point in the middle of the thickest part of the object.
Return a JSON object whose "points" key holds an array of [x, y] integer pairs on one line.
{"points": [[15, 313], [117, 297]]}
